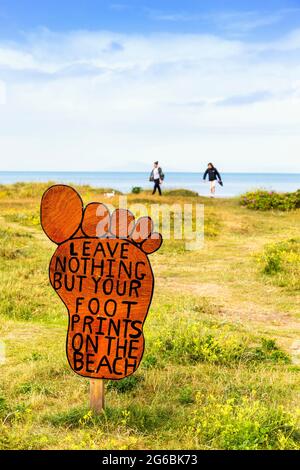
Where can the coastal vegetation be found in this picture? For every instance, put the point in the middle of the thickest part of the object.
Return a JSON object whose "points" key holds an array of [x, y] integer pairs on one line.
{"points": [[263, 200], [222, 356]]}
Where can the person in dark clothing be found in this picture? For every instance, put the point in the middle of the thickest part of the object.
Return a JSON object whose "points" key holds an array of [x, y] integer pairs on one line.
{"points": [[157, 177], [213, 176]]}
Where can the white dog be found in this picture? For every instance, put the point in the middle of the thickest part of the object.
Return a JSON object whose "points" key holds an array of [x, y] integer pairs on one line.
{"points": [[109, 194]]}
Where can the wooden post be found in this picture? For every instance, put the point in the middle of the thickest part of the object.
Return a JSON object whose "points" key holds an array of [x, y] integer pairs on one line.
{"points": [[97, 395]]}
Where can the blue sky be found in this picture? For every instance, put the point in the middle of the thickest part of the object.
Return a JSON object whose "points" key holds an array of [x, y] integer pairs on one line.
{"points": [[115, 84], [149, 16]]}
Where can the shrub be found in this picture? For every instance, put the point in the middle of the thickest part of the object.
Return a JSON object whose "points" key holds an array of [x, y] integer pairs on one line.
{"points": [[186, 396], [23, 189], [136, 190], [149, 361], [181, 192], [71, 418], [125, 385], [281, 263], [190, 345], [267, 200], [31, 190]]}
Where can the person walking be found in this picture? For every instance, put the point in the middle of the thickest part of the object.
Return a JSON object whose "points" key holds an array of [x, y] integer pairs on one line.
{"points": [[213, 176], [156, 177]]}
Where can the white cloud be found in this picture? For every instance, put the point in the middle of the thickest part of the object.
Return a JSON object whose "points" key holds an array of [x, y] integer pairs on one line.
{"points": [[234, 21], [101, 100], [243, 22]]}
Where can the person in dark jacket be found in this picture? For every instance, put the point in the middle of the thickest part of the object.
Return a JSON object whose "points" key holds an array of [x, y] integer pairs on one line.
{"points": [[213, 176], [157, 177]]}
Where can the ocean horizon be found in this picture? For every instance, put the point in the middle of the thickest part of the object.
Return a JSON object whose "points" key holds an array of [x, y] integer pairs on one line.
{"points": [[234, 183]]}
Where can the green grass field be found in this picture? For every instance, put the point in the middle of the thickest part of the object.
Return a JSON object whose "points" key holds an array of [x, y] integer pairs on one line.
{"points": [[221, 364]]}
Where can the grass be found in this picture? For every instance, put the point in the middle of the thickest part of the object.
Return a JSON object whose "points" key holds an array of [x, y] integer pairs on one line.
{"points": [[218, 369]]}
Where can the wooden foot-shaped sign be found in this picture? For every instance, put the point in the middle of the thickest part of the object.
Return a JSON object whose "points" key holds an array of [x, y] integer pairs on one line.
{"points": [[101, 272]]}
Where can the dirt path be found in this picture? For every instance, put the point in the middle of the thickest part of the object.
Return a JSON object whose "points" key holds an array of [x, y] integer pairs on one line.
{"points": [[228, 275]]}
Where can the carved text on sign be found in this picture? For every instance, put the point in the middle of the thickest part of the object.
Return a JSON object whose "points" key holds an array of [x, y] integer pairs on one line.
{"points": [[101, 272]]}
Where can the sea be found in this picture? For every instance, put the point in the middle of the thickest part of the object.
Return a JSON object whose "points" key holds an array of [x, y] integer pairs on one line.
{"points": [[234, 183]]}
